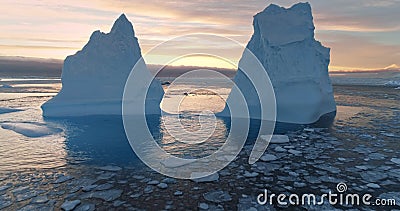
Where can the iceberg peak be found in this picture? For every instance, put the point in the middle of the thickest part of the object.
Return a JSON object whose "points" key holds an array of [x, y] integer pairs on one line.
{"points": [[305, 6], [93, 79], [297, 65], [289, 25], [122, 26], [302, 6]]}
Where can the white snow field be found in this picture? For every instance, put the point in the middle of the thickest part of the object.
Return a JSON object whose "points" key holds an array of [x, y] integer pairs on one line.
{"points": [[297, 64], [93, 79]]}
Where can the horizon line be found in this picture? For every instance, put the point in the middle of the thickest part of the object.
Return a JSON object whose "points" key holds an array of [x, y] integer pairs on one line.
{"points": [[331, 68]]}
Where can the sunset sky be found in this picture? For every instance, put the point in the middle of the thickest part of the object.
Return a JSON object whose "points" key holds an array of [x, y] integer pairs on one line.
{"points": [[362, 34]]}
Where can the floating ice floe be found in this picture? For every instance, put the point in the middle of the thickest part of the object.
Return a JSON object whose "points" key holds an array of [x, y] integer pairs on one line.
{"points": [[392, 83], [108, 195], [268, 157], [70, 205], [276, 139], [200, 177], [6, 86], [217, 196], [395, 160], [32, 130], [4, 110]]}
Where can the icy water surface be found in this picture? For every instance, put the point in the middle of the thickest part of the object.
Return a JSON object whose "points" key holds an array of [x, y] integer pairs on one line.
{"points": [[46, 164]]}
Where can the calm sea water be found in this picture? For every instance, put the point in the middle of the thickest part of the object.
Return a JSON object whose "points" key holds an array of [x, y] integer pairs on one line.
{"points": [[97, 139], [101, 139]]}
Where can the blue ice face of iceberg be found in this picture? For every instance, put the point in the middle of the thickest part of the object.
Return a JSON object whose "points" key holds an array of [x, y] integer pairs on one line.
{"points": [[93, 79], [297, 65]]}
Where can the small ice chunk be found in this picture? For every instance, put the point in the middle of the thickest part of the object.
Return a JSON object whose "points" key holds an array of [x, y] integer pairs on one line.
{"points": [[174, 162], [162, 185], [268, 157], [373, 185], [279, 139], [200, 177], [310, 130], [203, 206], [153, 182], [169, 180], [32, 130], [178, 193], [395, 160], [250, 174], [295, 152], [108, 195], [362, 167], [217, 196], [70, 205], [39, 200], [280, 149], [392, 83], [6, 86]]}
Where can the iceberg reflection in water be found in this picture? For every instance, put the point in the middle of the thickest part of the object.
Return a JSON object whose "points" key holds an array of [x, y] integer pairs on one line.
{"points": [[101, 140], [96, 140]]}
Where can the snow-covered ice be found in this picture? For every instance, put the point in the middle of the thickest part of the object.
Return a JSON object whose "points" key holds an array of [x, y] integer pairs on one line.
{"points": [[268, 157], [297, 64], [6, 86], [393, 83], [276, 139], [93, 79], [32, 129]]}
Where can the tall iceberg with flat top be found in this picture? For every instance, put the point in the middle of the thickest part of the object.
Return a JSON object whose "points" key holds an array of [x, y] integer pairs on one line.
{"points": [[297, 64], [93, 79]]}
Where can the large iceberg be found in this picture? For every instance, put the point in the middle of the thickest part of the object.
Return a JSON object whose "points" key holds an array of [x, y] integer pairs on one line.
{"points": [[93, 79], [297, 64]]}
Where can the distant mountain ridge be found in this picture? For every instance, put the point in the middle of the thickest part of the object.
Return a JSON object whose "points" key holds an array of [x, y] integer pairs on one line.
{"points": [[30, 67], [18, 66], [40, 67]]}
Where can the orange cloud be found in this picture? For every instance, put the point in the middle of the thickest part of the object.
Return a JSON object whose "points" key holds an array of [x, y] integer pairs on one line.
{"points": [[55, 29]]}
